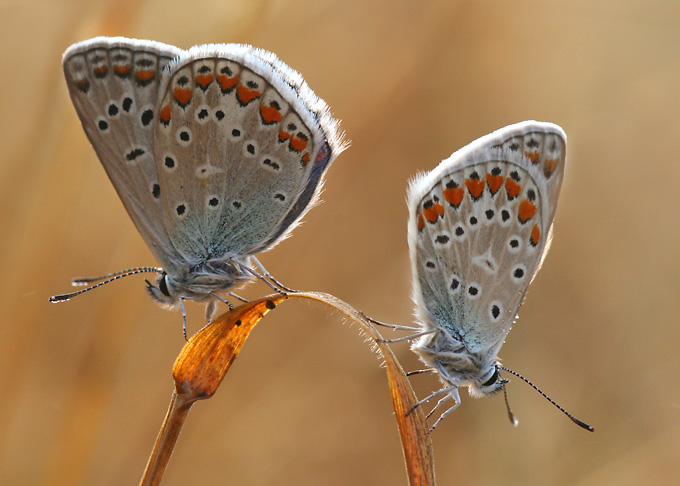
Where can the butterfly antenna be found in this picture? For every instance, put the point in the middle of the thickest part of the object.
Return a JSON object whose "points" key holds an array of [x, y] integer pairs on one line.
{"points": [[511, 416], [78, 281], [573, 419], [108, 278]]}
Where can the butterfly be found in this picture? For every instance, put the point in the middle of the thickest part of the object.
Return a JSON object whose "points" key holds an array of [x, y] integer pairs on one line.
{"points": [[480, 225], [216, 152]]}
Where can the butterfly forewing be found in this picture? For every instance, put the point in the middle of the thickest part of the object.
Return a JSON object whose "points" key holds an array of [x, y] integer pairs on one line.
{"points": [[479, 228], [114, 84], [240, 130]]}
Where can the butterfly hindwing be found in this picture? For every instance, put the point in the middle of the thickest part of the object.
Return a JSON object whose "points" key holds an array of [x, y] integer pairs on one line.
{"points": [[479, 228], [242, 146]]}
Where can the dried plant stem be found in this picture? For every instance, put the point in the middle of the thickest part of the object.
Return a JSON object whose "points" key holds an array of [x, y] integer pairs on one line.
{"points": [[180, 404]]}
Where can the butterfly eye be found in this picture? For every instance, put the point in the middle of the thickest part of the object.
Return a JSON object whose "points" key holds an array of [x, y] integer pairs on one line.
{"points": [[491, 380], [163, 285]]}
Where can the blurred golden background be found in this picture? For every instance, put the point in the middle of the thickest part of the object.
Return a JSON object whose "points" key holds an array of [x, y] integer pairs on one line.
{"points": [[86, 383]]}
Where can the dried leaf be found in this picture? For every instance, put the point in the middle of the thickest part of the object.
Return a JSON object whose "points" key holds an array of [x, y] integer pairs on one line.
{"points": [[205, 359]]}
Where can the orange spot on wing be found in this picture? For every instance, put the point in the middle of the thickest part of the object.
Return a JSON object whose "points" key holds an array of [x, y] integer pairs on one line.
{"points": [[246, 95], [535, 235], [550, 166], [298, 143], [421, 222], [430, 214], [83, 85], [121, 70], [204, 80], [227, 83], [165, 114], [283, 136], [270, 114], [182, 95], [513, 188], [526, 211], [454, 195], [305, 158], [532, 156], [433, 211], [100, 71], [475, 186], [145, 75], [494, 182]]}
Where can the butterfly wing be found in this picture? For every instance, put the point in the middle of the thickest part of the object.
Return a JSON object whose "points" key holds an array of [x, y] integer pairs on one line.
{"points": [[114, 85], [479, 228], [243, 144]]}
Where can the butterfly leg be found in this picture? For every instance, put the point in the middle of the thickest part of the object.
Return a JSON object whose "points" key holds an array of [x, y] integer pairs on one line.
{"points": [[407, 338], [456, 398], [453, 389], [280, 290], [270, 277], [439, 403], [419, 372], [384, 324], [238, 297], [210, 310], [219, 297], [184, 316]]}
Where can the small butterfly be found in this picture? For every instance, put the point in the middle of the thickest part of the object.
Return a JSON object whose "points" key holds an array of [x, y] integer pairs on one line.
{"points": [[479, 227], [216, 153]]}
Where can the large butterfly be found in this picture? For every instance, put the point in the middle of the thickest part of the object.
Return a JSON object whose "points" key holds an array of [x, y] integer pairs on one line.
{"points": [[216, 153]]}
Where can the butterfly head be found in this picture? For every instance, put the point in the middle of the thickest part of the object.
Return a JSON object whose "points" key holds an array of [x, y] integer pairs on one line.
{"points": [[488, 384], [459, 366], [163, 290]]}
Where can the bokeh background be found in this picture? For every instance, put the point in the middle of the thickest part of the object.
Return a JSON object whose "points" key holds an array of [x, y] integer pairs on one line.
{"points": [[86, 383]]}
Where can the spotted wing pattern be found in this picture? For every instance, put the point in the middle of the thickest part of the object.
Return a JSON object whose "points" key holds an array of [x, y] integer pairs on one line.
{"points": [[242, 145], [479, 228], [114, 85], [216, 152]]}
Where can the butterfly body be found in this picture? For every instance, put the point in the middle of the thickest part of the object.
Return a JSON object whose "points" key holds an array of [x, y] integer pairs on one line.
{"points": [[216, 152], [479, 227], [199, 282]]}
